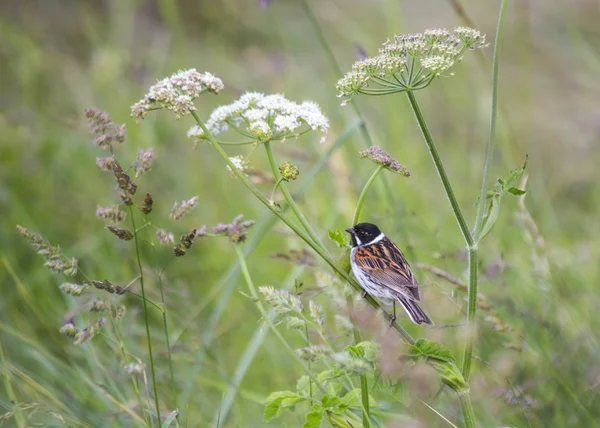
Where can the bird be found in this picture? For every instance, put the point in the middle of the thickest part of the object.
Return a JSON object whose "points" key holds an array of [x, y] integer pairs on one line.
{"points": [[382, 271]]}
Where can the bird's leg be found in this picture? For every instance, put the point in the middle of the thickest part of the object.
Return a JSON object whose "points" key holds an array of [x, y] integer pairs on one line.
{"points": [[393, 317], [365, 294]]}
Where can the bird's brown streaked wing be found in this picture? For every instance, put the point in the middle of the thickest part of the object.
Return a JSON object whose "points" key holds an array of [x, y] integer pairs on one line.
{"points": [[385, 263]]}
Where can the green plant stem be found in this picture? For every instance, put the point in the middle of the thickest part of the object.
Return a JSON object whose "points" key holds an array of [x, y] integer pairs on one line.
{"points": [[407, 337], [471, 248], [267, 319], [168, 343], [146, 319], [467, 409], [364, 382], [473, 256], [471, 308], [489, 151], [439, 166], [289, 199], [365, 189]]}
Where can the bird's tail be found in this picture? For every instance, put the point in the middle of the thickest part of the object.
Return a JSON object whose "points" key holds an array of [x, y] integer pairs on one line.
{"points": [[413, 310]]}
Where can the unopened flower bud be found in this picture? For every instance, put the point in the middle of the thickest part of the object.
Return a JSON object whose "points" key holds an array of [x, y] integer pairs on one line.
{"points": [[288, 171]]}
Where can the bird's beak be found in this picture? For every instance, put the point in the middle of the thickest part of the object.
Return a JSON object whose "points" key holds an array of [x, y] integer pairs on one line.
{"points": [[350, 230]]}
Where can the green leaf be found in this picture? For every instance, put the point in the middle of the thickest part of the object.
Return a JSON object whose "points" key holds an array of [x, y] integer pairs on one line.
{"points": [[500, 189], [170, 419], [303, 385], [490, 217], [273, 404], [442, 361], [451, 376], [429, 349], [337, 236], [314, 417], [516, 192], [515, 175], [352, 398], [329, 401], [366, 351], [327, 375]]}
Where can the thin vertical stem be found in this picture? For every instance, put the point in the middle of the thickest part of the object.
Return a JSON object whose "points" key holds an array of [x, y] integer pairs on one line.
{"points": [[361, 198], [146, 319], [473, 256], [489, 151], [471, 308], [364, 382], [166, 328]]}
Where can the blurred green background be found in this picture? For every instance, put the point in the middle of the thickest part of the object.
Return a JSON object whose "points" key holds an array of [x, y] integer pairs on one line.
{"points": [[540, 273]]}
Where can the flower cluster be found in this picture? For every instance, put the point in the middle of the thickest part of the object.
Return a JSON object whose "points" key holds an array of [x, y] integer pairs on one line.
{"points": [[120, 232], [104, 129], [281, 301], [177, 93], [265, 118], [381, 157], [143, 161], [409, 62], [164, 237], [181, 209], [55, 260], [237, 230], [111, 213], [239, 163]]}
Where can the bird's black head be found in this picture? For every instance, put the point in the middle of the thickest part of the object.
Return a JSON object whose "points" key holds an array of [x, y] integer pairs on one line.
{"points": [[363, 233]]}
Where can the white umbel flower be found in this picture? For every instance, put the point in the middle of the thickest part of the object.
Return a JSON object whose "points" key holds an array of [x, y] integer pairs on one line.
{"points": [[177, 93], [409, 62], [265, 118]]}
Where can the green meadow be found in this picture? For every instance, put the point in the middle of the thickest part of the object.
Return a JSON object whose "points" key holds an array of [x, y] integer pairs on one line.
{"points": [[310, 351]]}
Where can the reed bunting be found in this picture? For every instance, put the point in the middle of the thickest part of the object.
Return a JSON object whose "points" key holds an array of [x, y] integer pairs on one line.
{"points": [[382, 271]]}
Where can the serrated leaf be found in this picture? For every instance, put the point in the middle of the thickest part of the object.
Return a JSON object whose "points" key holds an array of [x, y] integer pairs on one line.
{"points": [[273, 404], [494, 195], [329, 401], [515, 175], [337, 236], [427, 349], [314, 417]]}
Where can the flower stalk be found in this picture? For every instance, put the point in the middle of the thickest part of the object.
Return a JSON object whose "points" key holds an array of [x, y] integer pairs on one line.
{"points": [[363, 194], [289, 199], [146, 319]]}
